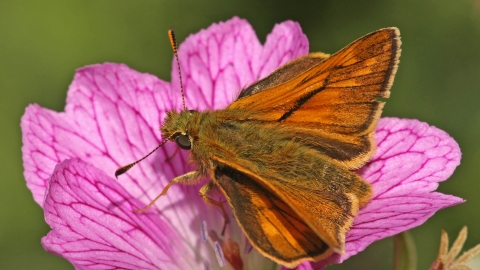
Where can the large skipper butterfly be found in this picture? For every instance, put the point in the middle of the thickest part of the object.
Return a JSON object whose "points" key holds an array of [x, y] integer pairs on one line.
{"points": [[283, 151]]}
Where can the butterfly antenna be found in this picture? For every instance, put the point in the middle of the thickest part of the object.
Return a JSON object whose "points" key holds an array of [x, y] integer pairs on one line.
{"points": [[125, 168], [173, 42]]}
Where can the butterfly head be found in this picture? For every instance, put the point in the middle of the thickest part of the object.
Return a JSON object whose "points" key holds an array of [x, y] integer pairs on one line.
{"points": [[180, 127]]}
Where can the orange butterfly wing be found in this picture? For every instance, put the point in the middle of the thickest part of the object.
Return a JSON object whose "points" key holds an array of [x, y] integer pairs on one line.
{"points": [[285, 73], [268, 222], [320, 191], [332, 106]]}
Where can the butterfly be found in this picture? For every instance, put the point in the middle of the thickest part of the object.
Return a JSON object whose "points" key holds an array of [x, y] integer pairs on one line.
{"points": [[283, 152]]}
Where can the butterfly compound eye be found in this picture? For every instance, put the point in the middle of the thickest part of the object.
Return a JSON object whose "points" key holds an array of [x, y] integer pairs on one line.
{"points": [[183, 142]]}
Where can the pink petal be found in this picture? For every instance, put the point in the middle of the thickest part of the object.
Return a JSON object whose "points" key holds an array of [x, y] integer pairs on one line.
{"points": [[112, 116], [226, 57], [286, 42], [411, 159], [94, 226]]}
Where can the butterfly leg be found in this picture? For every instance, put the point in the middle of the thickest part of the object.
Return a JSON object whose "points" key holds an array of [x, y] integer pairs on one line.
{"points": [[204, 194], [189, 178]]}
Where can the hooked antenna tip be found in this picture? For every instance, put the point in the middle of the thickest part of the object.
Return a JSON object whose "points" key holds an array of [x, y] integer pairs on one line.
{"points": [[123, 169]]}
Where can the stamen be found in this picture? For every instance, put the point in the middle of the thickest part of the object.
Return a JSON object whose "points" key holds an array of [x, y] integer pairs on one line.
{"points": [[204, 231], [207, 265], [231, 250], [248, 247], [213, 236], [219, 254]]}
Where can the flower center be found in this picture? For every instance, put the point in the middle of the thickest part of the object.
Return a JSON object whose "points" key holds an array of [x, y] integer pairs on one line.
{"points": [[225, 251]]}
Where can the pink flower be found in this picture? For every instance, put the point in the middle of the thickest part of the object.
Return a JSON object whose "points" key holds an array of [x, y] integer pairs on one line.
{"points": [[112, 118]]}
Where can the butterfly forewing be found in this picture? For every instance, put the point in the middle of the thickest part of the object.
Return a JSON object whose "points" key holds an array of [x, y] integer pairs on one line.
{"points": [[335, 99]]}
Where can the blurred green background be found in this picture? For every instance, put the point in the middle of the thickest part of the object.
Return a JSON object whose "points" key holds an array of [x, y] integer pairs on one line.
{"points": [[43, 42]]}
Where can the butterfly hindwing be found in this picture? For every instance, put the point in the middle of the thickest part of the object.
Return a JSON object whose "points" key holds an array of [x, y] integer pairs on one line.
{"points": [[268, 222], [323, 194]]}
